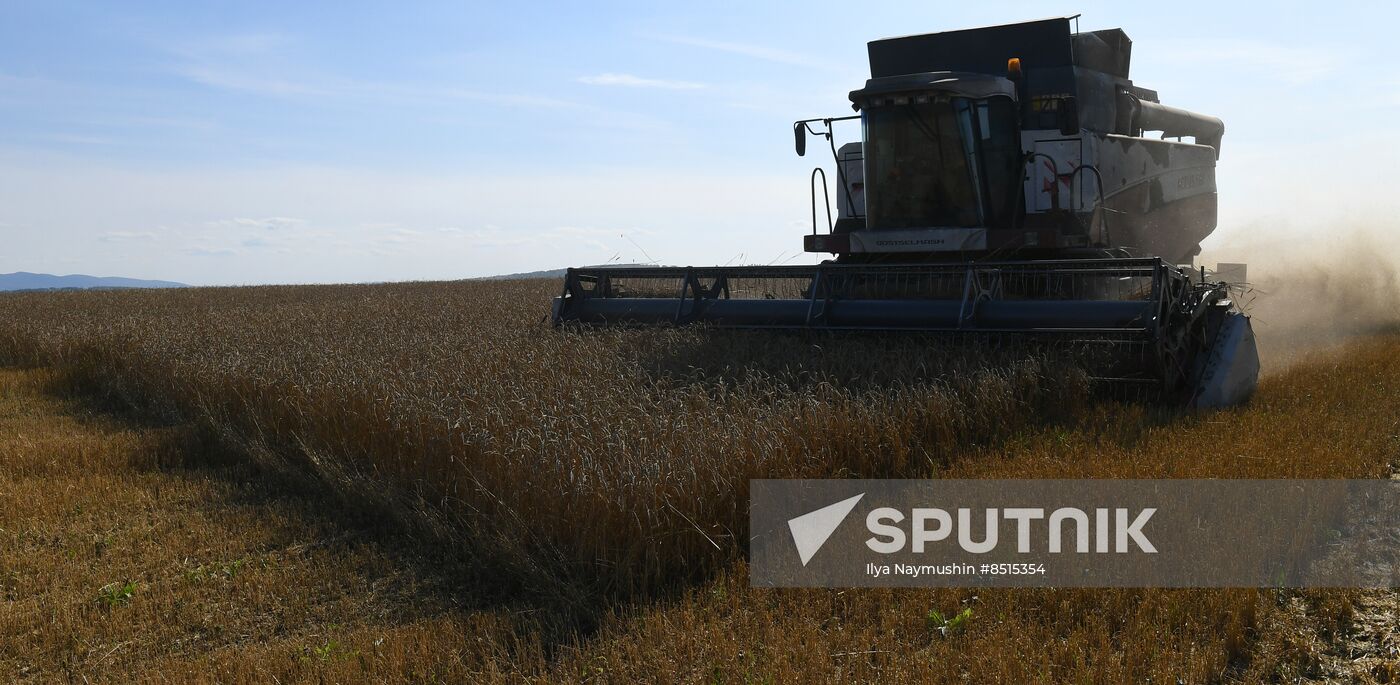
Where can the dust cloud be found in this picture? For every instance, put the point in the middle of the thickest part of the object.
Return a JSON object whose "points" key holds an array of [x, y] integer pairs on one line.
{"points": [[1309, 292]]}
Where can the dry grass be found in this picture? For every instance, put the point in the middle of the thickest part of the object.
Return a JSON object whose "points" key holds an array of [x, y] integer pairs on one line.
{"points": [[598, 481], [589, 465]]}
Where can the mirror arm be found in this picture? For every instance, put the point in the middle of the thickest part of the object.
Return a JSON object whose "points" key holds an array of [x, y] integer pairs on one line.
{"points": [[803, 127]]}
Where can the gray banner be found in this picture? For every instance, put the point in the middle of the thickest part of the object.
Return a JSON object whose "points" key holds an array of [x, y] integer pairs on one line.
{"points": [[1075, 533]]}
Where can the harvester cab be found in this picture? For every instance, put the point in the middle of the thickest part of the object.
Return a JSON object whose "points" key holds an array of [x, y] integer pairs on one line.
{"points": [[1021, 141], [1003, 186]]}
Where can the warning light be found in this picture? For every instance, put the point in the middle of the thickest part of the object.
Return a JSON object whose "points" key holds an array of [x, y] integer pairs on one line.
{"points": [[1013, 67]]}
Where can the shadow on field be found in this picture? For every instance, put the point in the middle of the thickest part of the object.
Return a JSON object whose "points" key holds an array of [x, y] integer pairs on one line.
{"points": [[440, 578]]}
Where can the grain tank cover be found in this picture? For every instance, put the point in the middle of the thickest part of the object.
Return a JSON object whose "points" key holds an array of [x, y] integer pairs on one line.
{"points": [[1044, 43]]}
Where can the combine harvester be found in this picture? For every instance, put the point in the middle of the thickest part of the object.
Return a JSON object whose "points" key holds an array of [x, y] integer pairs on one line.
{"points": [[1003, 187]]}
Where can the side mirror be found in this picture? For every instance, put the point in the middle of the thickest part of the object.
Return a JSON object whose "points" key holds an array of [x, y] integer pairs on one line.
{"points": [[799, 134], [1069, 116]]}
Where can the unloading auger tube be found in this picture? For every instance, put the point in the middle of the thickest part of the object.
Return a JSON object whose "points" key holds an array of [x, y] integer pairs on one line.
{"points": [[1008, 181], [1142, 322]]}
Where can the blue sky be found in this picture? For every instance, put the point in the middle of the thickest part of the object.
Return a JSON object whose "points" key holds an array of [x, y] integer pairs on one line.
{"points": [[252, 142]]}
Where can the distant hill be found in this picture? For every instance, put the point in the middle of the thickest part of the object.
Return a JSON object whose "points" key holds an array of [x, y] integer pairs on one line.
{"points": [[23, 280], [550, 273]]}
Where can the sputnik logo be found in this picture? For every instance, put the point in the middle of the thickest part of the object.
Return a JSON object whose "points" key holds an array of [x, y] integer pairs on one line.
{"points": [[811, 530]]}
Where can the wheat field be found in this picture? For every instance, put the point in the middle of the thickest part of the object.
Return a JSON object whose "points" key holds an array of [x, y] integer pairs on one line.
{"points": [[512, 502]]}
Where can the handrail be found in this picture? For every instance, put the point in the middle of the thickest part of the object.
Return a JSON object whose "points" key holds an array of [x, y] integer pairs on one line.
{"points": [[826, 195]]}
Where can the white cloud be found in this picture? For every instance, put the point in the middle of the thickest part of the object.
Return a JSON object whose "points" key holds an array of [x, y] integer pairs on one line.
{"points": [[582, 231], [502, 99], [76, 139], [630, 81], [126, 236], [397, 236], [492, 236], [211, 251], [272, 223], [754, 51], [242, 62], [248, 43], [256, 82], [246, 81], [265, 64]]}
